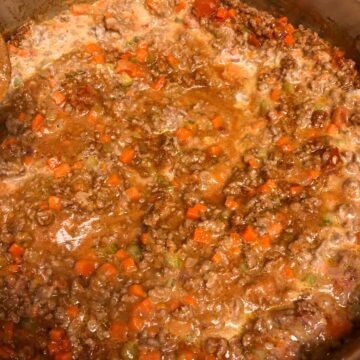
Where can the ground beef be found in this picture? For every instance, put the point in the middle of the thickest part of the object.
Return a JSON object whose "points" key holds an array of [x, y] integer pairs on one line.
{"points": [[178, 182]]}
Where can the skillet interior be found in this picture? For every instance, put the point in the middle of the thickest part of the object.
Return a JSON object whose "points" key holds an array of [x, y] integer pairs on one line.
{"points": [[339, 23]]}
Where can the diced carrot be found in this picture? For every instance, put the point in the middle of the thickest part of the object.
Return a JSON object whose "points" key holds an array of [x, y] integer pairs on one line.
{"points": [[134, 70], [72, 311], [216, 258], [332, 129], [231, 203], [173, 304], [54, 203], [63, 355], [152, 4], [183, 134], [253, 163], [289, 29], [201, 235], [265, 241], [122, 254], [145, 238], [13, 268], [150, 355], [282, 21], [127, 155], [79, 186], [37, 123], [205, 8], [105, 138], [141, 55], [126, 56], [159, 83], [313, 174], [28, 160], [136, 324], [43, 205], [62, 170], [275, 229], [275, 94], [195, 212], [249, 234], [215, 150], [57, 334], [143, 307], [101, 5], [98, 58], [172, 60], [128, 264], [118, 331], [92, 117], [133, 194], [108, 15], [16, 251], [285, 144], [287, 272], [114, 180], [268, 186], [81, 9], [189, 300], [84, 267], [312, 132], [234, 251], [175, 183], [187, 354], [58, 98], [218, 122], [289, 40], [78, 165], [221, 13], [296, 189], [181, 5], [231, 13], [12, 140], [340, 116], [24, 52], [109, 270], [12, 49], [52, 81], [93, 48], [136, 290]]}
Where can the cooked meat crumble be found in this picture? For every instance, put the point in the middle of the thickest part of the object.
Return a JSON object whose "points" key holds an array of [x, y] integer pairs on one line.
{"points": [[178, 180]]}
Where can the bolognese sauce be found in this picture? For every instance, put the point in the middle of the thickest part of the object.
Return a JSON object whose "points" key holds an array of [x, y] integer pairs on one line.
{"points": [[178, 180]]}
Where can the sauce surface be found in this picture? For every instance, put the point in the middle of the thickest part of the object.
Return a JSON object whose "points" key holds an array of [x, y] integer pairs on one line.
{"points": [[178, 180]]}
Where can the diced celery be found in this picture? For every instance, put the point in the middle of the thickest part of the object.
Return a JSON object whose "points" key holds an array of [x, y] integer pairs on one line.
{"points": [[173, 261], [129, 351], [125, 80]]}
